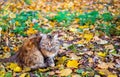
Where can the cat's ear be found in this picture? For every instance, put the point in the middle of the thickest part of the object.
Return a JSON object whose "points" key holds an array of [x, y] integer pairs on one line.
{"points": [[56, 36]]}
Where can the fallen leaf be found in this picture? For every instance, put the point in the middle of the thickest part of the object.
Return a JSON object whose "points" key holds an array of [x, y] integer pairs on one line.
{"points": [[73, 56], [73, 29], [43, 70], [112, 75], [97, 76], [14, 67], [0, 31], [61, 60], [26, 69], [101, 54], [17, 69], [72, 63], [23, 75], [16, 49], [104, 72], [88, 37], [65, 72], [109, 46], [31, 31], [102, 42], [76, 75], [8, 74], [104, 65], [51, 73], [83, 27], [2, 73], [6, 49], [80, 71]]}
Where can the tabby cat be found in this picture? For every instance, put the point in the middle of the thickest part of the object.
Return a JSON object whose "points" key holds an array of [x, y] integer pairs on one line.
{"points": [[38, 51]]}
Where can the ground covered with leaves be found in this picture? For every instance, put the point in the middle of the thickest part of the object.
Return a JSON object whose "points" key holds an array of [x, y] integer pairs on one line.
{"points": [[89, 30]]}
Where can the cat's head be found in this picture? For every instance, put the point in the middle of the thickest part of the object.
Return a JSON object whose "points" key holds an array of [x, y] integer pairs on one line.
{"points": [[50, 44]]}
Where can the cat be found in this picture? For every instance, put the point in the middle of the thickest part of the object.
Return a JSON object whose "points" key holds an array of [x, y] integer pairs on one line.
{"points": [[49, 46], [38, 51]]}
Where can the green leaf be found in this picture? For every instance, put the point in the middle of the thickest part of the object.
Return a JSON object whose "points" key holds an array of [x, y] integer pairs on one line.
{"points": [[88, 17], [107, 16], [36, 26], [8, 74], [28, 1], [73, 48], [113, 51], [43, 30], [80, 71]]}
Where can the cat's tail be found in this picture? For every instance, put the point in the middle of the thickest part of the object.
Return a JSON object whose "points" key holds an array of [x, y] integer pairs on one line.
{"points": [[10, 59]]}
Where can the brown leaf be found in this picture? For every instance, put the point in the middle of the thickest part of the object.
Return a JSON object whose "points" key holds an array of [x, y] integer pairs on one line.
{"points": [[104, 65], [65, 72]]}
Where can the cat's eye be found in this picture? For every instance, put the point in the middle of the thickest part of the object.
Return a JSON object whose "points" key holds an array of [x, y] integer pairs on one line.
{"points": [[49, 36]]}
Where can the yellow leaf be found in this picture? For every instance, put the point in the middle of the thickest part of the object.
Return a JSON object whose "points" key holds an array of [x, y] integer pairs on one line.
{"points": [[31, 31], [118, 27], [61, 60], [15, 48], [44, 70], [88, 36], [73, 29], [17, 23], [77, 20], [52, 24], [17, 69], [23, 75], [65, 72], [102, 54], [112, 75], [19, 5], [11, 34], [105, 72], [31, 25], [6, 49], [27, 69], [83, 27], [72, 63], [2, 73], [101, 73], [14, 67], [80, 42]]}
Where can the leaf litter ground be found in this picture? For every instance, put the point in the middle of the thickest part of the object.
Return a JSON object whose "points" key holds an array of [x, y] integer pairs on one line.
{"points": [[89, 30]]}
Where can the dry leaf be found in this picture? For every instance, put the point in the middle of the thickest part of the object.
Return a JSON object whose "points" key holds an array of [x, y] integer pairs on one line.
{"points": [[104, 65], [61, 60], [43, 70], [109, 46], [65, 72], [23, 75], [73, 56], [76, 75], [6, 49], [112, 75], [102, 42]]}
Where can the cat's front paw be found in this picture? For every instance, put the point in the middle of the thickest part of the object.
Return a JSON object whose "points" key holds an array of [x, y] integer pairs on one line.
{"points": [[50, 62], [52, 65]]}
